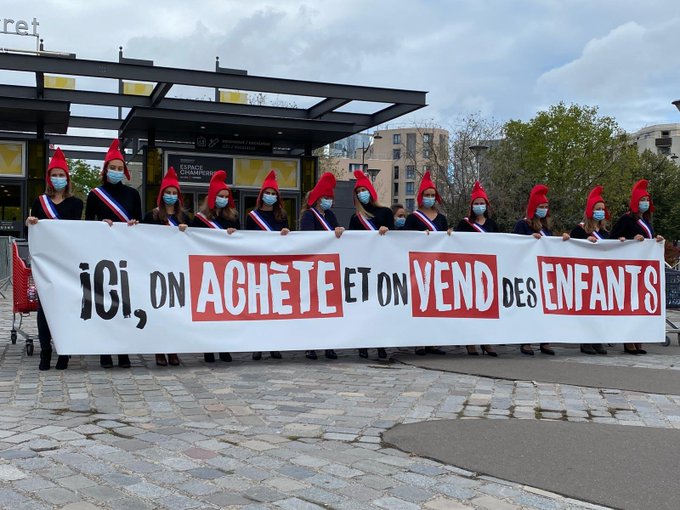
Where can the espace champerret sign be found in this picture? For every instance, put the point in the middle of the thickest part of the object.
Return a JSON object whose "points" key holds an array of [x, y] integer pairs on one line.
{"points": [[18, 27]]}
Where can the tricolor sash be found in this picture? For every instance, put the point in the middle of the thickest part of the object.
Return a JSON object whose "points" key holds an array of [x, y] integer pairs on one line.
{"points": [[425, 221], [645, 227], [475, 225], [543, 233], [368, 224], [594, 233], [321, 219], [48, 207], [260, 221], [172, 221], [112, 204], [204, 219]]}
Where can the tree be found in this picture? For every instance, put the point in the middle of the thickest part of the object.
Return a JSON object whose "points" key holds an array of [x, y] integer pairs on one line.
{"points": [[84, 177]]}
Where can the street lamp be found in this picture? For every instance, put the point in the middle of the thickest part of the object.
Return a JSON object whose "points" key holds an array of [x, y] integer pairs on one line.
{"points": [[373, 173], [478, 149], [364, 148]]}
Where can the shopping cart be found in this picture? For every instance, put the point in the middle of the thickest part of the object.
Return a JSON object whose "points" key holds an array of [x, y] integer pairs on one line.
{"points": [[672, 302], [24, 292]]}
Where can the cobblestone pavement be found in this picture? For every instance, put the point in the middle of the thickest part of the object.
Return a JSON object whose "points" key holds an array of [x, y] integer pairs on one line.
{"points": [[291, 434]]}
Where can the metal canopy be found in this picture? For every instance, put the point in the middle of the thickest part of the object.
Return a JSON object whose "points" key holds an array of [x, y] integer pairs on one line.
{"points": [[160, 120]]}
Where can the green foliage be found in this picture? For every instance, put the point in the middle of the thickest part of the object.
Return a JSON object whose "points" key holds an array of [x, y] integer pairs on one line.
{"points": [[84, 177]]}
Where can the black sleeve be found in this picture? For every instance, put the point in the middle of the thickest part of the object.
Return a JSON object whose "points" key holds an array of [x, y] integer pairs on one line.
{"points": [[250, 223], [463, 226], [331, 219], [91, 206], [137, 205], [522, 227], [149, 218], [388, 219], [412, 223], [307, 221], [624, 227], [442, 222], [354, 223], [196, 223], [578, 232], [36, 209], [77, 209], [491, 226]]}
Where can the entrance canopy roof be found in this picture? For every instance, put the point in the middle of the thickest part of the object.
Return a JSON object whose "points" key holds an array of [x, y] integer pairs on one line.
{"points": [[97, 113]]}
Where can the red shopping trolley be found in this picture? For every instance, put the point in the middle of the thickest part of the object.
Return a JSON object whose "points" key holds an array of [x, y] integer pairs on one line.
{"points": [[25, 295]]}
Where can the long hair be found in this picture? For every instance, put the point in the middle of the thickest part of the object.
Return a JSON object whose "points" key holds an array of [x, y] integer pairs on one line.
{"points": [[305, 207], [537, 224], [160, 213], [228, 213], [647, 216], [279, 212], [590, 225], [360, 209]]}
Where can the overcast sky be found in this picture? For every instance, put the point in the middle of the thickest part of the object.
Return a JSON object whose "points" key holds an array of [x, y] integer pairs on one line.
{"points": [[506, 59]]}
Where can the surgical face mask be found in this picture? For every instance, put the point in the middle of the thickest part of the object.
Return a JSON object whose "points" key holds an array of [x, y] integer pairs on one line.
{"points": [[479, 209], [270, 199], [541, 212], [399, 222], [221, 202], [114, 176], [170, 199], [364, 197], [59, 183], [598, 215], [326, 203], [643, 206], [428, 201]]}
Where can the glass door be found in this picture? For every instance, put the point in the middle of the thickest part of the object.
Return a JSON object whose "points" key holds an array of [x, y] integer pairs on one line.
{"points": [[11, 209]]}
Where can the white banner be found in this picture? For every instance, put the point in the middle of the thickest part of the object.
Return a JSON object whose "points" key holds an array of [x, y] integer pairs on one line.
{"points": [[148, 289]]}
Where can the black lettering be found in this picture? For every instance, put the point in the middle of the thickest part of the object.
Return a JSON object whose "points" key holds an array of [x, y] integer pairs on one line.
{"points": [[364, 271], [86, 287], [125, 288], [519, 290], [400, 288], [384, 289], [508, 295], [349, 271], [532, 299], [110, 267], [158, 280], [176, 289]]}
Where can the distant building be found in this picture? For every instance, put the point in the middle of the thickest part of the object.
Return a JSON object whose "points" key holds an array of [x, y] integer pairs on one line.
{"points": [[661, 139]]}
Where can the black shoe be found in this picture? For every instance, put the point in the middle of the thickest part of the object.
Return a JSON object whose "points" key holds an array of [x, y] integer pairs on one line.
{"points": [[62, 363], [105, 361], [639, 348], [546, 349], [173, 360], [526, 349], [487, 350], [45, 360], [599, 349], [363, 353], [630, 351], [434, 350], [311, 354], [161, 361], [225, 356], [420, 351], [275, 354], [209, 357], [471, 350], [257, 356], [588, 349], [330, 354], [123, 361], [382, 353]]}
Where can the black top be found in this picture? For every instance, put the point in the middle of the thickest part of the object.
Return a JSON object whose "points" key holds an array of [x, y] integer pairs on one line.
{"points": [[150, 219], [522, 227], [220, 220], [382, 217], [578, 232], [489, 225], [268, 217], [127, 197], [627, 226], [309, 221], [70, 208], [414, 223]]}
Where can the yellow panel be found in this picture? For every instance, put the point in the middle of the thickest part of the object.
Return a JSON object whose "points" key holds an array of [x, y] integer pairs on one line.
{"points": [[10, 158], [251, 172], [135, 88], [230, 96], [59, 82]]}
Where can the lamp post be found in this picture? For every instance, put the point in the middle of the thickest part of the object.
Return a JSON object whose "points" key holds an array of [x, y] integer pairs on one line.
{"points": [[478, 149], [373, 173], [364, 148]]}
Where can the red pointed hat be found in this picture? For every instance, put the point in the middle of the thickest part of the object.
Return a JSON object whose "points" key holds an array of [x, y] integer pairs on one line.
{"points": [[426, 183], [478, 192], [364, 182], [639, 191], [594, 197], [218, 182], [537, 196], [324, 188], [57, 161], [114, 153], [270, 182], [170, 180]]}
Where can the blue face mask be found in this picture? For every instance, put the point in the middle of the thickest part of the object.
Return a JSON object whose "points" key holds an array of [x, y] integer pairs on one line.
{"points": [[221, 202], [364, 197], [114, 176], [541, 212], [479, 209], [643, 206], [399, 222], [326, 203], [599, 215], [428, 201], [170, 199], [59, 183], [270, 199]]}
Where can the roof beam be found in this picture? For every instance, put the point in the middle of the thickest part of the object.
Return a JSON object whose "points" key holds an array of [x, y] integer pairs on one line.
{"points": [[94, 123], [159, 92], [392, 112], [325, 106]]}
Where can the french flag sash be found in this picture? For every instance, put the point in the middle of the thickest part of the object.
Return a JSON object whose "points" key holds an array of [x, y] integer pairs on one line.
{"points": [[321, 219], [594, 233], [645, 227], [543, 233], [368, 224], [260, 221], [476, 226], [112, 204], [425, 221], [48, 207], [172, 221], [204, 219]]}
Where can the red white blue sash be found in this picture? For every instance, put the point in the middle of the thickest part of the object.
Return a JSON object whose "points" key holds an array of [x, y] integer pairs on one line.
{"points": [[368, 224], [48, 207], [475, 225], [594, 233], [321, 219], [260, 221], [112, 204], [172, 221], [543, 233], [204, 219], [425, 221], [645, 227]]}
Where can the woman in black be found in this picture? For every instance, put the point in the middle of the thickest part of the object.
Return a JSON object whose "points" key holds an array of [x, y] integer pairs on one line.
{"points": [[114, 202], [369, 215], [168, 211], [268, 215], [536, 223], [427, 218], [317, 216], [57, 203], [218, 211], [636, 224], [478, 220]]}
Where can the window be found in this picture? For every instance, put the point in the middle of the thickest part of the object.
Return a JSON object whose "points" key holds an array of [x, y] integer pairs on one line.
{"points": [[396, 171], [426, 153], [427, 138], [396, 139], [410, 188], [665, 133], [396, 188], [410, 204], [411, 144], [396, 153], [410, 172]]}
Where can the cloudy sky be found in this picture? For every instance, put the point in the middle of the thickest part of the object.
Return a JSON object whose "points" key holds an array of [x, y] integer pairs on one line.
{"points": [[506, 59]]}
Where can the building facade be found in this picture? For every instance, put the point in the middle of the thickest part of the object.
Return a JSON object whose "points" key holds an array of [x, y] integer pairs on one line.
{"points": [[661, 139]]}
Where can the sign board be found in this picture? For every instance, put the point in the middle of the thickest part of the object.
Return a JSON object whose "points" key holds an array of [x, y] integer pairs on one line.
{"points": [[231, 144], [198, 168], [12, 159]]}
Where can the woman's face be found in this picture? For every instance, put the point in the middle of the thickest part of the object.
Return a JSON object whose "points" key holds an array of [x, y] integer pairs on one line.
{"points": [[478, 201], [599, 206], [400, 213], [57, 172], [223, 193], [430, 193], [170, 190], [116, 165], [270, 191], [359, 190]]}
